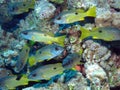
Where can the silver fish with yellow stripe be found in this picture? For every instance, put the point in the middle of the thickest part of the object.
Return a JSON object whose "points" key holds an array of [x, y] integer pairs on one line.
{"points": [[11, 82], [46, 72], [72, 16], [46, 53], [39, 36]]}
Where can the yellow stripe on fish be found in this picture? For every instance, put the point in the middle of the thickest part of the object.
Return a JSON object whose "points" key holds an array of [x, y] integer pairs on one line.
{"points": [[46, 53], [46, 72], [11, 83], [72, 16], [104, 33], [39, 36]]}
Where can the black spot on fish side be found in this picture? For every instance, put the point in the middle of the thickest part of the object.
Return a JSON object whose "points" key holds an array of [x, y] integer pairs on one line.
{"points": [[100, 31], [34, 75], [54, 68], [76, 13], [24, 5]]}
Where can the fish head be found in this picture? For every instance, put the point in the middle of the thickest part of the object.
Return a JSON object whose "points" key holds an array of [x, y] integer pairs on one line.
{"points": [[27, 34], [48, 52], [60, 19], [35, 75], [56, 50]]}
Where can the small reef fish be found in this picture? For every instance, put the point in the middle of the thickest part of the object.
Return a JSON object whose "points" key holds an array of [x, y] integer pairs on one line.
{"points": [[22, 59], [74, 16], [71, 60], [20, 6], [46, 53], [11, 83], [46, 72], [104, 33], [39, 36]]}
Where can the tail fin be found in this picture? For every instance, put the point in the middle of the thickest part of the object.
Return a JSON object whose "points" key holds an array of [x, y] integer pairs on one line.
{"points": [[84, 33], [60, 40], [91, 12]]}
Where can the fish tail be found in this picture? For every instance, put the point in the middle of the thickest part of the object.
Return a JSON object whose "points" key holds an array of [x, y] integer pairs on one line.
{"points": [[60, 40], [84, 33], [91, 12], [32, 61]]}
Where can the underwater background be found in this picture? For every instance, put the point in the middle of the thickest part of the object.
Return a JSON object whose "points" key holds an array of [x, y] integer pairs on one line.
{"points": [[59, 44]]}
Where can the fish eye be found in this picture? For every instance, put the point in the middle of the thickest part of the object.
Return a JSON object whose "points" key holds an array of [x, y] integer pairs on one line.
{"points": [[58, 18], [13, 8], [76, 13], [56, 48], [25, 33], [100, 31], [54, 68], [39, 52], [34, 75]]}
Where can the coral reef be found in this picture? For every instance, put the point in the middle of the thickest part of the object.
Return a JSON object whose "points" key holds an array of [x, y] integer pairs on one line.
{"points": [[95, 52], [32, 22], [87, 3], [97, 76], [81, 3], [108, 19], [8, 40], [115, 4], [96, 68], [44, 9], [10, 46], [111, 66]]}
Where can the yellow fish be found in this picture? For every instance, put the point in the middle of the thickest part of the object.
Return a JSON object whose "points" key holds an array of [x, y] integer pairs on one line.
{"points": [[104, 33], [74, 16], [11, 83], [20, 6], [46, 72], [39, 36], [46, 53]]}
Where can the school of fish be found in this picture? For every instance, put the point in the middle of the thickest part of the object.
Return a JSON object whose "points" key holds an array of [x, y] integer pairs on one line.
{"points": [[53, 52]]}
